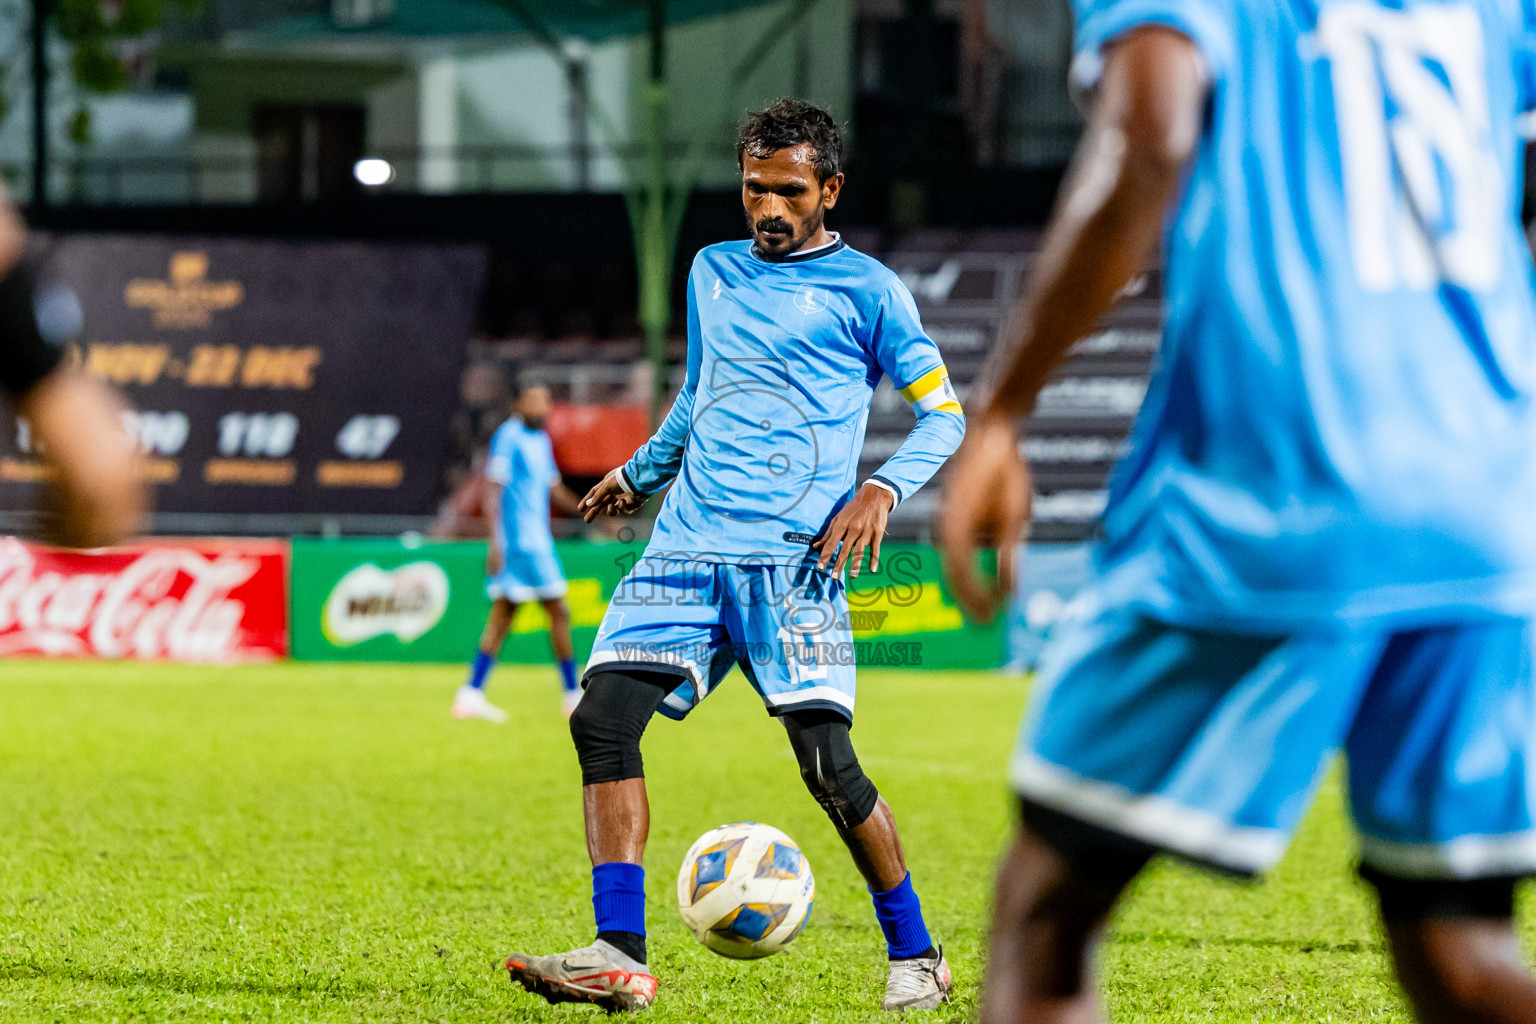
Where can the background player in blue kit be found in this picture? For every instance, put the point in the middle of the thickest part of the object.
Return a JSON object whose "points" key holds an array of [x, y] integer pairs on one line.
{"points": [[788, 335], [1323, 536], [520, 563]]}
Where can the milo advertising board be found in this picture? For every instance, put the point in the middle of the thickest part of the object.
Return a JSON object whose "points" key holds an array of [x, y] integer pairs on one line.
{"points": [[388, 600]]}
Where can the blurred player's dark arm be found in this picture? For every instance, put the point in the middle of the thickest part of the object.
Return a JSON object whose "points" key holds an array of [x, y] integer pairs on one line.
{"points": [[565, 501], [76, 419], [1146, 122], [493, 554]]}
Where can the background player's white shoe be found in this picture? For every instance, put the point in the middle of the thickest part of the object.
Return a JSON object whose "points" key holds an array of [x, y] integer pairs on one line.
{"points": [[471, 703], [599, 974], [568, 702], [920, 984]]}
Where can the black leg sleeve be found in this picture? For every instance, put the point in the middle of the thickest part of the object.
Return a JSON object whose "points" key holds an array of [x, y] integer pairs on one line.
{"points": [[829, 766], [611, 718]]}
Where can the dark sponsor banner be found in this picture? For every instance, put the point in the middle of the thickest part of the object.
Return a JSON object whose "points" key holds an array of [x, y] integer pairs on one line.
{"points": [[269, 377]]}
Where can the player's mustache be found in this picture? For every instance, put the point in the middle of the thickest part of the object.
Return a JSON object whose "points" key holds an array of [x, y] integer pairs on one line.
{"points": [[776, 226]]}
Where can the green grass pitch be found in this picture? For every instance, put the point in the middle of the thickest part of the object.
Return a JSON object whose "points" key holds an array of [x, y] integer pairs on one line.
{"points": [[323, 843]]}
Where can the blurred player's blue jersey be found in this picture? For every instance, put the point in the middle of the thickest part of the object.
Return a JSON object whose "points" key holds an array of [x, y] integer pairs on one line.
{"points": [[1342, 427], [1323, 537], [522, 462], [764, 438]]}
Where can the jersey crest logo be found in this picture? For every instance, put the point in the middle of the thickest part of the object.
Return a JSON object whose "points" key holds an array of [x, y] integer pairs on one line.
{"points": [[810, 300]]}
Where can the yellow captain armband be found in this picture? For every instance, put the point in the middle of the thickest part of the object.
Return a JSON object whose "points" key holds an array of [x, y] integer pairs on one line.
{"points": [[932, 392]]}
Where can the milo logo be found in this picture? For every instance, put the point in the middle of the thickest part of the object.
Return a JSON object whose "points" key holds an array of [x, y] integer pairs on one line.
{"points": [[369, 602]]}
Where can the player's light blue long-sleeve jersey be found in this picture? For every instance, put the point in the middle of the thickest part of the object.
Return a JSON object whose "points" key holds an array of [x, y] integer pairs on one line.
{"points": [[522, 461], [764, 438], [1342, 428]]}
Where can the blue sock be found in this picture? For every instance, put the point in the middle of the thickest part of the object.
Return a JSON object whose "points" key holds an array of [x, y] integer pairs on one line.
{"points": [[901, 918], [480, 669], [568, 674], [618, 897]]}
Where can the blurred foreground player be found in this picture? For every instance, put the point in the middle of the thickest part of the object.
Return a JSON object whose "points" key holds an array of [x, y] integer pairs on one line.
{"points": [[520, 563], [1323, 536], [75, 419], [788, 335]]}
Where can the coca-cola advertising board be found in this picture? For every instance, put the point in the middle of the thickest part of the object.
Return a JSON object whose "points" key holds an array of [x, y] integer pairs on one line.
{"points": [[174, 600]]}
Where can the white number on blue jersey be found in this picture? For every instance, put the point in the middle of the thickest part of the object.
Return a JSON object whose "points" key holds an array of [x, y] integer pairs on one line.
{"points": [[801, 656], [1421, 180]]}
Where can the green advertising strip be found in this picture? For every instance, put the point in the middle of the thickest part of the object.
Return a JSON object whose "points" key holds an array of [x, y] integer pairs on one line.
{"points": [[388, 600]]}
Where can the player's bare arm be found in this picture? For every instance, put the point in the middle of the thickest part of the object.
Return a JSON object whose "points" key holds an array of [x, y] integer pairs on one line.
{"points": [[857, 528], [1145, 125], [493, 553], [564, 499]]}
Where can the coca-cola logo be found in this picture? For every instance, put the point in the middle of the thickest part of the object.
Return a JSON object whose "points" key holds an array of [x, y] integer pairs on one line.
{"points": [[163, 603]]}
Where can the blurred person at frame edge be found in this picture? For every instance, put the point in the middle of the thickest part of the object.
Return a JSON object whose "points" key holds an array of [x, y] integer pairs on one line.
{"points": [[75, 419]]}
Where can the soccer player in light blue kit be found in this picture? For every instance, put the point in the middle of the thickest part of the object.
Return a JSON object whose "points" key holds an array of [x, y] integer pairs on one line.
{"points": [[788, 335], [520, 564], [1324, 535]]}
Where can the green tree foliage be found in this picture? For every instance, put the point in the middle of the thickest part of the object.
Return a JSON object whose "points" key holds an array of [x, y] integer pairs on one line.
{"points": [[94, 30]]}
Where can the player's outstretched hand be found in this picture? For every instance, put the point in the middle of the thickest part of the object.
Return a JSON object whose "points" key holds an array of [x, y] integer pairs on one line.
{"points": [[985, 503], [608, 497], [857, 528]]}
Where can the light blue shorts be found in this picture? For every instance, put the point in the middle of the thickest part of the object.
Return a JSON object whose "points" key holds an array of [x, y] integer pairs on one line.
{"points": [[527, 576], [1210, 745], [786, 626]]}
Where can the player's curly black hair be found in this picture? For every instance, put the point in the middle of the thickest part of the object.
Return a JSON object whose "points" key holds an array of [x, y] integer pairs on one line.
{"points": [[787, 123]]}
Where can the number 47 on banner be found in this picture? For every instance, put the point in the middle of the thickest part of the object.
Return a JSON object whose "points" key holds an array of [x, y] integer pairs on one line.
{"points": [[367, 437]]}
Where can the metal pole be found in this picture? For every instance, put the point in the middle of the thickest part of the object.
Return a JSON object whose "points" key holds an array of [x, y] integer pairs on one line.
{"points": [[579, 112], [40, 104], [655, 250]]}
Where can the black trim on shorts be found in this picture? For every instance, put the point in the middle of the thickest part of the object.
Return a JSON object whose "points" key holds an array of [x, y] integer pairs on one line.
{"points": [[1413, 899], [810, 705], [1104, 851], [636, 666]]}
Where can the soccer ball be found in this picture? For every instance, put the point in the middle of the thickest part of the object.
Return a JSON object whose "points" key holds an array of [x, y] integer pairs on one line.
{"points": [[745, 890]]}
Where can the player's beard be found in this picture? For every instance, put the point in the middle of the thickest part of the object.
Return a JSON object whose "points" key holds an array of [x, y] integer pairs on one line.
{"points": [[796, 241], [534, 422]]}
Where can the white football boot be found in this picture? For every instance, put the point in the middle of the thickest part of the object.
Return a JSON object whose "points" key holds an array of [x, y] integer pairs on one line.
{"points": [[919, 984], [568, 701], [471, 703], [599, 974]]}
